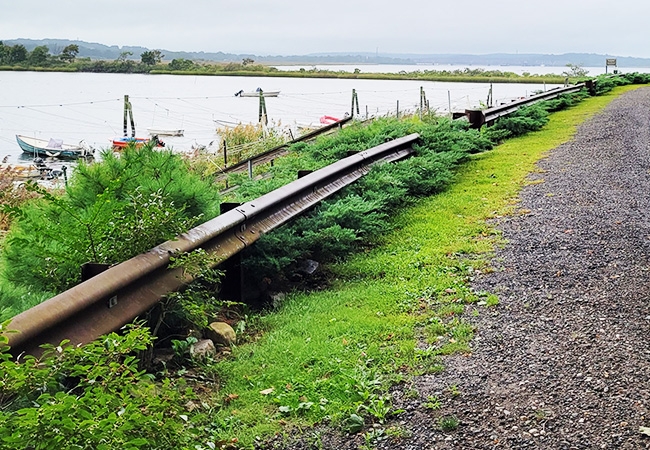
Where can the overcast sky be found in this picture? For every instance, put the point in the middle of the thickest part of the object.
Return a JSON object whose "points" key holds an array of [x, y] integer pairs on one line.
{"points": [[293, 27]]}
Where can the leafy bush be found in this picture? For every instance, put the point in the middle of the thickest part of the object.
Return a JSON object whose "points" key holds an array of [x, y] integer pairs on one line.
{"points": [[91, 397], [605, 83]]}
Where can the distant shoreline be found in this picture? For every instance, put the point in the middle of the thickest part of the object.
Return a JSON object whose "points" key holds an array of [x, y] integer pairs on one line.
{"points": [[272, 72]]}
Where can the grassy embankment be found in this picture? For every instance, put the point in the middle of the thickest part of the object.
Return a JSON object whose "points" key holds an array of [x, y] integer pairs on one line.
{"points": [[505, 77], [216, 70], [333, 354]]}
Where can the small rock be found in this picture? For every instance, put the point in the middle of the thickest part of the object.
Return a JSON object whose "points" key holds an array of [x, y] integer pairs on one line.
{"points": [[203, 349], [221, 334]]}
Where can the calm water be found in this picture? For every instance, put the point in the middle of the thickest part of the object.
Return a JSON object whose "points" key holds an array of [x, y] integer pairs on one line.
{"points": [[89, 107]]}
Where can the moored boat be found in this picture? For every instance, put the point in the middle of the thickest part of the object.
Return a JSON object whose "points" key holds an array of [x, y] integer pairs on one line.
{"points": [[164, 132], [123, 142], [256, 93], [328, 120], [52, 148]]}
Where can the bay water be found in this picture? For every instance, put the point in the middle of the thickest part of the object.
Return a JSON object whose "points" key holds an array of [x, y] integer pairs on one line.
{"points": [[89, 107]]}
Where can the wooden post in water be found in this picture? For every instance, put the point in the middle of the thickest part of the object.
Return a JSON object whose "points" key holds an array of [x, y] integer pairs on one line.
{"points": [[489, 97], [355, 101], [398, 109], [128, 111], [421, 101], [263, 117]]}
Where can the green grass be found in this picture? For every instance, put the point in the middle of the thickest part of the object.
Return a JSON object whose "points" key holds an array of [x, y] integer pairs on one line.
{"points": [[328, 355]]}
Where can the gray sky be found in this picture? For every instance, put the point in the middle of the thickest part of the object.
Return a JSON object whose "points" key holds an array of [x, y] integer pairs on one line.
{"points": [[290, 27]]}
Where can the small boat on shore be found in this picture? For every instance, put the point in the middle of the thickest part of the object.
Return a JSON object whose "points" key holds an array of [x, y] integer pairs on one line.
{"points": [[328, 120], [52, 148], [257, 93], [123, 142], [37, 169]]}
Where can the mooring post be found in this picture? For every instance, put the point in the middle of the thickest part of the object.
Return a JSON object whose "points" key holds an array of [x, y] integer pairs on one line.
{"points": [[263, 117], [126, 112], [355, 101], [421, 101], [225, 154]]}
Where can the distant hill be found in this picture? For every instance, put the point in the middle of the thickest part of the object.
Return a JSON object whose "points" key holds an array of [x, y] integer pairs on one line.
{"points": [[100, 51]]}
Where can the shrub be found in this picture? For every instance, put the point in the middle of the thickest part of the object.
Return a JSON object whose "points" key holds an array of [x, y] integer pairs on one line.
{"points": [[110, 212], [12, 196], [359, 214], [91, 397], [522, 121]]}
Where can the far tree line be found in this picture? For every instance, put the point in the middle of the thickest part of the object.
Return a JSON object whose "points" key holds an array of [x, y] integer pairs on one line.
{"points": [[12, 55], [17, 56]]}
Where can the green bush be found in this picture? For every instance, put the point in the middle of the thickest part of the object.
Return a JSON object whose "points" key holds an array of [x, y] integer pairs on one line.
{"points": [[110, 211], [358, 215], [522, 121], [92, 397]]}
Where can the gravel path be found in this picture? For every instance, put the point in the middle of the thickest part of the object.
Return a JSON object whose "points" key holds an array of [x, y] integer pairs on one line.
{"points": [[564, 361]]}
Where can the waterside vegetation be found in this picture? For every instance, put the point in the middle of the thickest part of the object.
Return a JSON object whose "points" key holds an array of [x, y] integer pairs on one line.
{"points": [[391, 310]]}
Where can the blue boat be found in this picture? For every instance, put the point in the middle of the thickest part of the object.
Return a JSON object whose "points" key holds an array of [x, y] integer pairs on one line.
{"points": [[52, 148]]}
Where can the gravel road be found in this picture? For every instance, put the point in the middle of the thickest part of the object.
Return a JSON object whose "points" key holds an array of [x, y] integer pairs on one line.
{"points": [[564, 361]]}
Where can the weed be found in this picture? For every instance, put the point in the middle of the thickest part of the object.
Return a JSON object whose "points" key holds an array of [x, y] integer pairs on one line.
{"points": [[353, 423], [181, 348], [378, 407], [433, 403], [411, 394], [372, 437], [448, 423], [491, 300]]}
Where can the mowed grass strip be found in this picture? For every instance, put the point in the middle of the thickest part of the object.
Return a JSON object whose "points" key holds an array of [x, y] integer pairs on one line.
{"points": [[328, 356]]}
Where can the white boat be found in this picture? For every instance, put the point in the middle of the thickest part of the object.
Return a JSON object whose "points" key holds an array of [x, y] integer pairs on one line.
{"points": [[257, 93], [52, 148], [164, 132]]}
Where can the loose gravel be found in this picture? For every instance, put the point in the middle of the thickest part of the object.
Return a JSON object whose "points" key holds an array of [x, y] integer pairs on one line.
{"points": [[563, 362]]}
